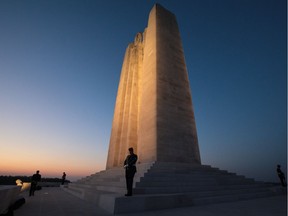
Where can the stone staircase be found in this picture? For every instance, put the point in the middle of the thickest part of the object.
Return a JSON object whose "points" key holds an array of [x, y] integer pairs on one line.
{"points": [[164, 185], [109, 182]]}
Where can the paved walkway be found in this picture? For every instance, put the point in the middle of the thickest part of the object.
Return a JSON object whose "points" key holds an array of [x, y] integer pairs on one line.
{"points": [[54, 201]]}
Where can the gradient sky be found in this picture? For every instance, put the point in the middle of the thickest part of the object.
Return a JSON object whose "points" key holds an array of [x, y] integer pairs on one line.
{"points": [[60, 64]]}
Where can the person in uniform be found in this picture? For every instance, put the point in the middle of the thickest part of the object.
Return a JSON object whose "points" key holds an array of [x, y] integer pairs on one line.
{"points": [[281, 176], [35, 179], [63, 178], [130, 170]]}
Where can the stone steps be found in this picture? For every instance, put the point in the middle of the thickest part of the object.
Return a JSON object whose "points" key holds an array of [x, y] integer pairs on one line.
{"points": [[109, 187], [111, 181], [140, 203], [232, 197], [195, 182], [167, 185], [196, 189]]}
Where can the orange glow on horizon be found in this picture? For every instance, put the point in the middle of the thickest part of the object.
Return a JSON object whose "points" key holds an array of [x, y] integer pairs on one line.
{"points": [[48, 167], [50, 158]]}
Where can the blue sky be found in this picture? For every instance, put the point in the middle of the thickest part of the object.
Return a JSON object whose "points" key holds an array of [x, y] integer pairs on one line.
{"points": [[60, 64]]}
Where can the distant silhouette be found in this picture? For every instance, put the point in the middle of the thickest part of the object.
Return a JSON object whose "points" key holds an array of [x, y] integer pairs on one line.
{"points": [[281, 176], [130, 170], [34, 181], [63, 178]]}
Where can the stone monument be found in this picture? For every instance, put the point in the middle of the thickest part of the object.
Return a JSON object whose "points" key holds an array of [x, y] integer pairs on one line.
{"points": [[154, 115], [153, 111]]}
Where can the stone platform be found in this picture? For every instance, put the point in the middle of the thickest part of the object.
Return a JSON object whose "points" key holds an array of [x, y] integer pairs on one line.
{"points": [[53, 201], [8, 195], [168, 185]]}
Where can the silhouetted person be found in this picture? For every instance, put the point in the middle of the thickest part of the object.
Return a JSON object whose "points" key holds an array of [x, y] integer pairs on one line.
{"points": [[63, 178], [130, 170], [281, 176], [34, 181]]}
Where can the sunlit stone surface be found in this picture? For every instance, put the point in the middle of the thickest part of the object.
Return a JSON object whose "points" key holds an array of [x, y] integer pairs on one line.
{"points": [[153, 111]]}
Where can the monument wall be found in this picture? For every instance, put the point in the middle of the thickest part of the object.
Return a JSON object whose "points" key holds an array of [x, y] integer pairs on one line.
{"points": [[125, 122], [153, 110]]}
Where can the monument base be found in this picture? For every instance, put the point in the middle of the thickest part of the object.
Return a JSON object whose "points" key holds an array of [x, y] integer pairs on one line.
{"points": [[8, 195], [162, 185]]}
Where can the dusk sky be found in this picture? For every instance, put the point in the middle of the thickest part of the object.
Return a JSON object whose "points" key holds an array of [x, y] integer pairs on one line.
{"points": [[60, 64]]}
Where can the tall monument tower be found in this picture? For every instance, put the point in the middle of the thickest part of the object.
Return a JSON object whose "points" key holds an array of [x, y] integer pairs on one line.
{"points": [[154, 115], [153, 111]]}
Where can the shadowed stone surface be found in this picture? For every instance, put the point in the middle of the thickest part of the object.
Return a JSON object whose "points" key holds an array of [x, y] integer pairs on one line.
{"points": [[163, 185], [56, 202], [8, 194]]}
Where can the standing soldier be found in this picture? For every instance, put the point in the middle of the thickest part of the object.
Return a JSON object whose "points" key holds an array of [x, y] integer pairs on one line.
{"points": [[63, 178], [281, 176], [130, 170], [35, 179]]}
